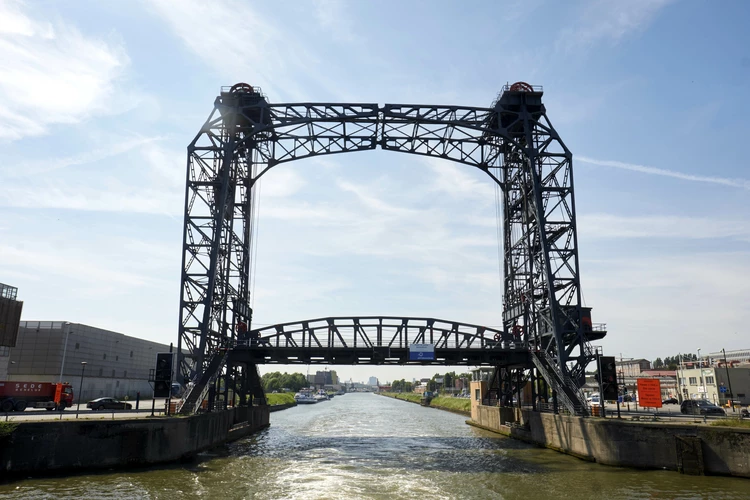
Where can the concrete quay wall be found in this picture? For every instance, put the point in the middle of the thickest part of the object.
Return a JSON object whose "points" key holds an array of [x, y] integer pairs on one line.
{"points": [[67, 445], [692, 449]]}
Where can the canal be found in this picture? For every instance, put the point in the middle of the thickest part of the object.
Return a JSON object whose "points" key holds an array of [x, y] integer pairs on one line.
{"points": [[368, 446]]}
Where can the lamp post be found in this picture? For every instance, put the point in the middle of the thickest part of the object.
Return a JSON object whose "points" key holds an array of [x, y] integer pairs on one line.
{"points": [[729, 381], [65, 349], [80, 388], [700, 371]]}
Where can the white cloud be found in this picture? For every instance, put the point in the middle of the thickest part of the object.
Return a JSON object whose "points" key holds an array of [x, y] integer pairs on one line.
{"points": [[608, 21], [237, 41], [661, 226], [28, 169], [281, 182], [332, 17], [79, 267], [51, 73], [652, 303], [724, 181], [456, 181], [114, 198], [371, 201]]}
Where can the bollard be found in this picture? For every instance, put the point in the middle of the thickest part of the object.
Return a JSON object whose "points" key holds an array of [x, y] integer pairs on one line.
{"points": [[137, 399]]}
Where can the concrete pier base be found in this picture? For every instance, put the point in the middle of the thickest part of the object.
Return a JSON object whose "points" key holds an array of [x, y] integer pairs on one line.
{"points": [[73, 445]]}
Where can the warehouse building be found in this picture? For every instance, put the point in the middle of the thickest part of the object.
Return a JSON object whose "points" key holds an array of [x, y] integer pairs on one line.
{"points": [[116, 365]]}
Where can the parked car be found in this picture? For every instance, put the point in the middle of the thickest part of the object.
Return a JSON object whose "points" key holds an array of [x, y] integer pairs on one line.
{"points": [[108, 404], [700, 407], [670, 401]]}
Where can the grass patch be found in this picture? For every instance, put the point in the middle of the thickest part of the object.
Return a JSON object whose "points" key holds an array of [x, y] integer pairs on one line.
{"points": [[281, 398], [406, 396], [7, 428], [460, 404], [732, 422]]}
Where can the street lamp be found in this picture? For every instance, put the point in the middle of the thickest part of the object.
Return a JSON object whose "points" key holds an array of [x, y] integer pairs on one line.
{"points": [[80, 388], [65, 349], [700, 371]]}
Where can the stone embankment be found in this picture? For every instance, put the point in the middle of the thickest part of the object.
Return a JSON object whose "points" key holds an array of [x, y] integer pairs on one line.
{"points": [[691, 449], [36, 448]]}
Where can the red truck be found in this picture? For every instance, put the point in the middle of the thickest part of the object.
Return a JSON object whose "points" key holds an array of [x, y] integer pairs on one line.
{"points": [[17, 396]]}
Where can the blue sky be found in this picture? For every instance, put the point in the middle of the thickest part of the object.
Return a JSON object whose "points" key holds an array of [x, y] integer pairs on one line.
{"points": [[98, 101]]}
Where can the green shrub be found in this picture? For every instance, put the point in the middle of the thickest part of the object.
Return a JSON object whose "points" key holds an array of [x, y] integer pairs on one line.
{"points": [[281, 398], [7, 428]]}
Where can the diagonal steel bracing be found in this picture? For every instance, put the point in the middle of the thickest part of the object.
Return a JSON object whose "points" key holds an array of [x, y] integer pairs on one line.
{"points": [[512, 141]]}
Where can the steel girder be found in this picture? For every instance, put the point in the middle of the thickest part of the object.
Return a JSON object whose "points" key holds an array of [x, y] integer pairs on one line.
{"points": [[512, 141], [381, 331], [379, 340]]}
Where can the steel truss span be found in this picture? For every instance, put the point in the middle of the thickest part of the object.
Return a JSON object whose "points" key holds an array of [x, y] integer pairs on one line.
{"points": [[512, 141], [379, 340]]}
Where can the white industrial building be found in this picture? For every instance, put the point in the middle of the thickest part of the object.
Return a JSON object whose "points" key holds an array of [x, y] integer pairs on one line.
{"points": [[50, 351], [714, 383]]}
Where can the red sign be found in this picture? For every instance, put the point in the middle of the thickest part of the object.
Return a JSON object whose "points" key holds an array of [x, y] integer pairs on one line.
{"points": [[649, 393]]}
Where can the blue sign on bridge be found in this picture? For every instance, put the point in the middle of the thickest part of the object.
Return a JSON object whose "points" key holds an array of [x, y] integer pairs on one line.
{"points": [[419, 352]]}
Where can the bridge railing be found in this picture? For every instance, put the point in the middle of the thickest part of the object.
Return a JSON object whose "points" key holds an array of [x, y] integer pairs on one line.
{"points": [[381, 332]]}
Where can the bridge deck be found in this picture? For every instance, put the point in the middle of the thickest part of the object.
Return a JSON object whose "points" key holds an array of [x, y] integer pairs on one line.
{"points": [[265, 354]]}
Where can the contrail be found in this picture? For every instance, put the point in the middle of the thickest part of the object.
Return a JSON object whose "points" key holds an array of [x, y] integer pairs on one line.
{"points": [[739, 183]]}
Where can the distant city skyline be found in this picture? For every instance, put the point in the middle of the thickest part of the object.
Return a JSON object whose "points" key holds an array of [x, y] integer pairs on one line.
{"points": [[98, 101]]}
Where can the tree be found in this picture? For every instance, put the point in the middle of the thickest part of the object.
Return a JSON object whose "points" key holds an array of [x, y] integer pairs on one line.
{"points": [[275, 381], [658, 363], [449, 379]]}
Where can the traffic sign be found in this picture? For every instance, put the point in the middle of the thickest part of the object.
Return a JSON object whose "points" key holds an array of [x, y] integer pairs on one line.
{"points": [[422, 352], [722, 389], [649, 393]]}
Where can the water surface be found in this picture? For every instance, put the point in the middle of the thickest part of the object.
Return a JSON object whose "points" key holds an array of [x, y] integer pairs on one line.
{"points": [[371, 447]]}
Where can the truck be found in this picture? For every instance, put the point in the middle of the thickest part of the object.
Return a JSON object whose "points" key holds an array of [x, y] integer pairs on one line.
{"points": [[18, 395]]}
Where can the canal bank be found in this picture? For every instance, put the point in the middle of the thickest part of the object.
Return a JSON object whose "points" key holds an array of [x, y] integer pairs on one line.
{"points": [[459, 405], [691, 449], [37, 448]]}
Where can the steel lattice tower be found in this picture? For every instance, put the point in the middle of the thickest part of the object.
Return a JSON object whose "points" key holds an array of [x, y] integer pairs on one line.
{"points": [[513, 142]]}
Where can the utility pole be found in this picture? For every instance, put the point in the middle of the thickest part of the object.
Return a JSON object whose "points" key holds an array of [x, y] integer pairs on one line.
{"points": [[80, 389], [700, 371], [729, 381]]}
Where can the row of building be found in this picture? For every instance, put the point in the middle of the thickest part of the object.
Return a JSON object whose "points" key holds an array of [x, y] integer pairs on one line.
{"points": [[718, 377]]}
